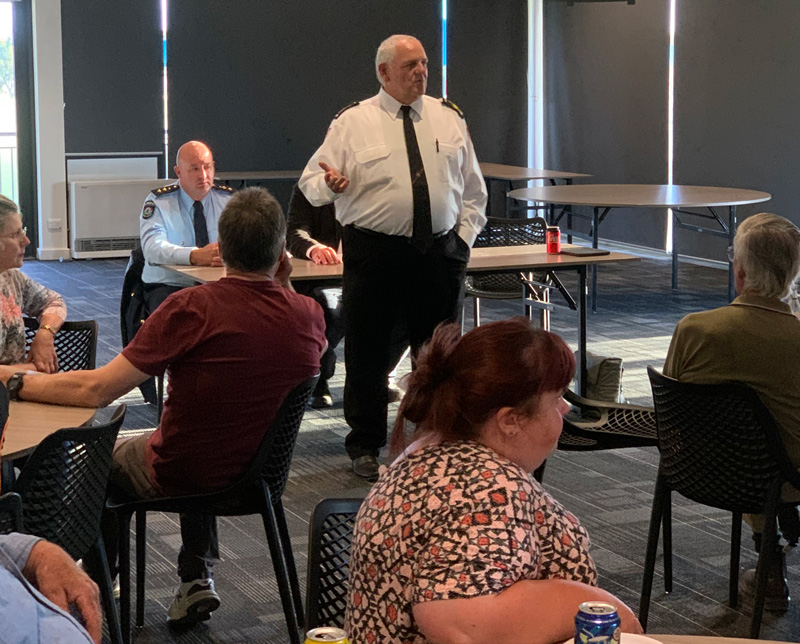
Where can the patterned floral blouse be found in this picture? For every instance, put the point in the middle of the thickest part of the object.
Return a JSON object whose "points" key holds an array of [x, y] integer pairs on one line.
{"points": [[20, 294], [453, 521]]}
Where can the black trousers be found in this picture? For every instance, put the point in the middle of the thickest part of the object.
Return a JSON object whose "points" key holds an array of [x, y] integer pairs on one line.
{"points": [[385, 280]]}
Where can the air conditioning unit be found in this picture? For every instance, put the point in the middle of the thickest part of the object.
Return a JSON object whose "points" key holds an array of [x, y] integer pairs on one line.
{"points": [[104, 216]]}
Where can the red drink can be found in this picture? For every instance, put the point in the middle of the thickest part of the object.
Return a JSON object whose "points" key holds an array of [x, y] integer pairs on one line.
{"points": [[553, 240]]}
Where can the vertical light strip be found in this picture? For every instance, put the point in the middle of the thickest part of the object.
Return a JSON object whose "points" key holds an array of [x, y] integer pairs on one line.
{"points": [[444, 48], [535, 84], [671, 117], [164, 62]]}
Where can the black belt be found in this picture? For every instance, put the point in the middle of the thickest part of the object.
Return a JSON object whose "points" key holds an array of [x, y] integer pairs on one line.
{"points": [[404, 237]]}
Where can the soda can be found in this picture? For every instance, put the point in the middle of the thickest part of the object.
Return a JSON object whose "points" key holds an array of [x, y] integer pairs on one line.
{"points": [[553, 240], [597, 623], [326, 634]]}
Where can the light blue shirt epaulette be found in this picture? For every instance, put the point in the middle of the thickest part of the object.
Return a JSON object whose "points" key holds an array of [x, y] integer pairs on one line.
{"points": [[166, 227]]}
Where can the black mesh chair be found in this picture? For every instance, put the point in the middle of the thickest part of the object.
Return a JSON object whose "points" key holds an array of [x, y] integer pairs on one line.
{"points": [[10, 513], [63, 490], [510, 286], [76, 343], [595, 425], [259, 491], [330, 536], [720, 447]]}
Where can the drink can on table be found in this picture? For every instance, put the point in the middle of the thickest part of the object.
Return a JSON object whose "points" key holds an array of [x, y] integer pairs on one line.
{"points": [[553, 240], [326, 634], [597, 623]]}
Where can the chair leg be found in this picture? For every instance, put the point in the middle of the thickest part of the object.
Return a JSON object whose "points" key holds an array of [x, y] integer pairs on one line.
{"points": [[96, 560], [656, 516], [768, 552], [736, 544], [667, 540], [160, 385], [141, 555], [124, 548], [271, 529], [476, 319], [288, 555]]}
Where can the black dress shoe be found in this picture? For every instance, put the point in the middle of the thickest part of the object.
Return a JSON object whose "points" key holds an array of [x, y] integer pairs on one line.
{"points": [[366, 467], [321, 396]]}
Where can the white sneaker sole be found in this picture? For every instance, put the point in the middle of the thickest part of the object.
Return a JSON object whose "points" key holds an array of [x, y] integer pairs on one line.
{"points": [[203, 603]]}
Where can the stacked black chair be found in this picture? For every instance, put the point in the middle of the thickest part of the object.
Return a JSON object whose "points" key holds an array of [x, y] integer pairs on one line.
{"points": [[258, 491], [63, 489], [76, 343], [596, 425], [509, 286], [329, 540], [719, 446], [10, 513]]}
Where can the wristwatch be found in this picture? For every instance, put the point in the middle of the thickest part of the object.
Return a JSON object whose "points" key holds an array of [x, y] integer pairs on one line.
{"points": [[14, 386]]}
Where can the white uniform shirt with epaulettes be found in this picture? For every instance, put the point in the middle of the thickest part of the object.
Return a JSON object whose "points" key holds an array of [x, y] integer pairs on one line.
{"points": [[166, 227], [366, 143]]}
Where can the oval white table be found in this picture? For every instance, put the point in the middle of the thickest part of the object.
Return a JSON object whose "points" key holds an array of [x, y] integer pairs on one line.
{"points": [[605, 197]]}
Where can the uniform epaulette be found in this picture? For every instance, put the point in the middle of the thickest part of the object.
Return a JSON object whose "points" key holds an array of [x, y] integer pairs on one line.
{"points": [[160, 192], [453, 107], [221, 187], [344, 109]]}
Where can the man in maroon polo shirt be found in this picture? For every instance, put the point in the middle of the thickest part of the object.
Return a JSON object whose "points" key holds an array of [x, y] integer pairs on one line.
{"points": [[233, 350]]}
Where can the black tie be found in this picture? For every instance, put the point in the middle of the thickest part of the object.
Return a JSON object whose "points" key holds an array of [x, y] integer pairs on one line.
{"points": [[200, 229], [422, 233]]}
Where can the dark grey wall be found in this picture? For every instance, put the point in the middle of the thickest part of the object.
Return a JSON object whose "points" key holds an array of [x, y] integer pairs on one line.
{"points": [[737, 102], [487, 71], [112, 76], [606, 101], [260, 81]]}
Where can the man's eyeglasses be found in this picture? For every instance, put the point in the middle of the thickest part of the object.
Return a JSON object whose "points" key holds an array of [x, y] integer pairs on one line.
{"points": [[22, 232], [730, 254]]}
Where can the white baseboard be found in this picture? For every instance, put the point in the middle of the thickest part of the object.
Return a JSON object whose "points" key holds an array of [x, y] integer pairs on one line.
{"points": [[655, 253], [60, 254]]}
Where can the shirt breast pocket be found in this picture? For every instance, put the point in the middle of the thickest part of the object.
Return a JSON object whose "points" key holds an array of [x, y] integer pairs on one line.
{"points": [[371, 165], [449, 162]]}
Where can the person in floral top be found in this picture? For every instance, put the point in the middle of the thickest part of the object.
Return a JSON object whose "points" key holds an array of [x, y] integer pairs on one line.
{"points": [[457, 542], [19, 295]]}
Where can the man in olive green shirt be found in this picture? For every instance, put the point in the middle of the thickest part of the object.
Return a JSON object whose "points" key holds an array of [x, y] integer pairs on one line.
{"points": [[754, 340]]}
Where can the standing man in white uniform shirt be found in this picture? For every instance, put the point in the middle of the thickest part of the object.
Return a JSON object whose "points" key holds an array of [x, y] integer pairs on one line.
{"points": [[178, 224], [402, 173]]}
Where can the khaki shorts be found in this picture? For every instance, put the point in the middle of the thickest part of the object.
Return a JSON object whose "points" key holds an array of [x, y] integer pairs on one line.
{"points": [[129, 468]]}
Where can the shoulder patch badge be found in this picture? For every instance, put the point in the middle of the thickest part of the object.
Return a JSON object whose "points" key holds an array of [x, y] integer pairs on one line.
{"points": [[222, 188], [160, 192], [344, 109], [149, 209], [453, 107]]}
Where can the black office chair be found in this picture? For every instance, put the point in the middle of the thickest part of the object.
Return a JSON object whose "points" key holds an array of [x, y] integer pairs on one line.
{"points": [[719, 446], [511, 286], [63, 489], [10, 513], [258, 491], [76, 343], [330, 536]]}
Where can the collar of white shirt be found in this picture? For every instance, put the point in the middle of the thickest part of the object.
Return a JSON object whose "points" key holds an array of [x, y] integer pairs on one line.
{"points": [[392, 105]]}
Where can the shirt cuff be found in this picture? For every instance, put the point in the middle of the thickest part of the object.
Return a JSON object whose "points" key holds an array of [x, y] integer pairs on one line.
{"points": [[18, 547], [182, 256]]}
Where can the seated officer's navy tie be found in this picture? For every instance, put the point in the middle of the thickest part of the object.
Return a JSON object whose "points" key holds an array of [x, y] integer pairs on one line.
{"points": [[200, 228], [422, 233]]}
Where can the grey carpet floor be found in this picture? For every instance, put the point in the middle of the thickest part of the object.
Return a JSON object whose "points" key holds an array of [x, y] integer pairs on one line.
{"points": [[610, 492]]}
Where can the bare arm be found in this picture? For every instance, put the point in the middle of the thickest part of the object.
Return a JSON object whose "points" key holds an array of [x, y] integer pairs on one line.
{"points": [[91, 388], [43, 351], [532, 611]]}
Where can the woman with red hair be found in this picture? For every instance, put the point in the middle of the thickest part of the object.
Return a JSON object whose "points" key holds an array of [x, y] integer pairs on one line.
{"points": [[456, 542]]}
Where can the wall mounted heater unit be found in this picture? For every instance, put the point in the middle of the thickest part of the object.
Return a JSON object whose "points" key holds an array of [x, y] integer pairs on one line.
{"points": [[104, 216]]}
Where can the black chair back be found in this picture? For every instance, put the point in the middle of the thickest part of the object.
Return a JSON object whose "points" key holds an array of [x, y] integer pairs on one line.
{"points": [[500, 231], [76, 343], [10, 513], [329, 541], [63, 485], [719, 444]]}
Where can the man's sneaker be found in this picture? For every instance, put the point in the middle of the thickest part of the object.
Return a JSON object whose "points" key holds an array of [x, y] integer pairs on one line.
{"points": [[194, 602], [776, 597]]}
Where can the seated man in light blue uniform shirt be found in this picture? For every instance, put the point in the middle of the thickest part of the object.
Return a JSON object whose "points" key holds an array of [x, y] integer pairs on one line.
{"points": [[40, 585], [178, 224]]}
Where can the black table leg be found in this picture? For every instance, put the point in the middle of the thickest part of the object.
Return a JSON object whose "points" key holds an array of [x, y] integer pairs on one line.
{"points": [[674, 251], [581, 303], [595, 243], [731, 235]]}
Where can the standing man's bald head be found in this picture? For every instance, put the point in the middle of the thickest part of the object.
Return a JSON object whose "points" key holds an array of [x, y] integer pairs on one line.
{"points": [[194, 167], [402, 68]]}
